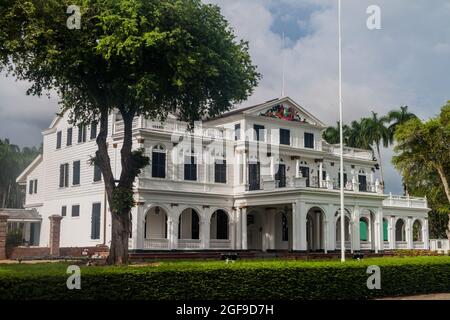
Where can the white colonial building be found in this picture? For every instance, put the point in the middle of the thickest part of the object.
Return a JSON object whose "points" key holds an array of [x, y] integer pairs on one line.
{"points": [[258, 178]]}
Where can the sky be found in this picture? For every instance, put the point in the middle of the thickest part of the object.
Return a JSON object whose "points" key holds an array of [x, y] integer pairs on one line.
{"points": [[406, 62]]}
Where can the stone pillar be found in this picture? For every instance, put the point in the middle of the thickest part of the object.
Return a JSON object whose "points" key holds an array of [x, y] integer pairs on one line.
{"points": [[356, 232], [244, 169], [408, 231], [295, 226], [391, 232], [425, 235], [55, 230], [244, 228], [320, 174], [379, 229], [238, 227], [205, 229], [3, 226], [330, 231], [173, 233], [297, 168]]}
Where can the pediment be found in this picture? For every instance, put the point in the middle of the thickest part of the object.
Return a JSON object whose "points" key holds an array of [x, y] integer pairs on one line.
{"points": [[287, 110]]}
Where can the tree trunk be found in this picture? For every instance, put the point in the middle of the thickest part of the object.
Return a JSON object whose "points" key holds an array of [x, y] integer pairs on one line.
{"points": [[441, 172], [120, 225], [381, 165]]}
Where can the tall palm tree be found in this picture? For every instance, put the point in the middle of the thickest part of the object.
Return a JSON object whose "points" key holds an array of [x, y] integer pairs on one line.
{"points": [[357, 137], [398, 117], [332, 134], [377, 132]]}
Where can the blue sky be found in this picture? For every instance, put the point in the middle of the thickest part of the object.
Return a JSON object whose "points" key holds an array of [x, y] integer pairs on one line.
{"points": [[407, 62]]}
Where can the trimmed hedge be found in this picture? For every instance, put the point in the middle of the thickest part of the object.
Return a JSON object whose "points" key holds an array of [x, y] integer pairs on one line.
{"points": [[275, 280]]}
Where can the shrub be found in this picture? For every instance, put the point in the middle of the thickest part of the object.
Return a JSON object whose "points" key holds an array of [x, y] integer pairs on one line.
{"points": [[14, 238], [260, 280]]}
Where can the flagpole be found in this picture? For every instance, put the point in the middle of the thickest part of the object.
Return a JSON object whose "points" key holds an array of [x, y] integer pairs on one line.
{"points": [[341, 141]]}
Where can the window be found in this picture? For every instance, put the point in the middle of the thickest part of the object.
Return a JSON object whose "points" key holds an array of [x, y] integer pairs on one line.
{"points": [[362, 179], [76, 210], [97, 174], [385, 230], [69, 136], [309, 140], [95, 221], [76, 173], [190, 168], [31, 187], [58, 139], [339, 179], [254, 176], [35, 186], [259, 132], [285, 137], [63, 211], [81, 133], [305, 174], [93, 130], [220, 171], [280, 175], [237, 131], [158, 162], [363, 229], [64, 175]]}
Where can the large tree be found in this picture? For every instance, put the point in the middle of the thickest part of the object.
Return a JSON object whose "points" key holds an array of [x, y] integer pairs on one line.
{"points": [[140, 57], [423, 158]]}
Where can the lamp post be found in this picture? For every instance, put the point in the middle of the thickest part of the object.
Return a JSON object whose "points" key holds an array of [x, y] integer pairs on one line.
{"points": [[341, 140]]}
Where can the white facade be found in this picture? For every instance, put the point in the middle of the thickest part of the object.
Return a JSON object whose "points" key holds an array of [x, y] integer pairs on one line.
{"points": [[275, 188]]}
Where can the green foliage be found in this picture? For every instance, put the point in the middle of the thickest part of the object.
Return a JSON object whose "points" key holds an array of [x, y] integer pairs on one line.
{"points": [[423, 158], [14, 238], [122, 200], [278, 280], [13, 161]]}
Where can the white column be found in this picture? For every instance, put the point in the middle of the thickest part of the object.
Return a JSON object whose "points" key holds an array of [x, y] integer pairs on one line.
{"points": [[244, 169], [238, 227], [232, 229], [270, 224], [379, 230], [244, 228], [296, 226], [139, 231], [297, 168], [320, 174], [356, 232], [175, 164], [409, 238], [301, 226], [318, 226], [173, 235], [206, 158], [331, 228], [325, 233], [205, 226], [391, 232], [425, 235], [272, 168]]}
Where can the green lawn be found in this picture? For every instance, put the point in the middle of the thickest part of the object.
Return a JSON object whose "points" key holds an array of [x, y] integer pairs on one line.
{"points": [[255, 279]]}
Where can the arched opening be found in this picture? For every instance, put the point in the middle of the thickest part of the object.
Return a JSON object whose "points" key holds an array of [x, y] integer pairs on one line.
{"points": [[315, 220], [189, 225], [363, 229], [155, 226], [400, 232], [385, 230], [347, 227], [417, 231], [219, 225]]}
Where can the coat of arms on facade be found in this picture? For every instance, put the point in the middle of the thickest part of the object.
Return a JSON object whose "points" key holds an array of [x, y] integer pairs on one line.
{"points": [[283, 112]]}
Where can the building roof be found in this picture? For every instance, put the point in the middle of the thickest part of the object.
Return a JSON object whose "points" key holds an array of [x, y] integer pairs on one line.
{"points": [[22, 178], [21, 214]]}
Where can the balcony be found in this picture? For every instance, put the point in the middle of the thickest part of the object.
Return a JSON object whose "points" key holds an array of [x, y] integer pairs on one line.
{"points": [[353, 153], [405, 202]]}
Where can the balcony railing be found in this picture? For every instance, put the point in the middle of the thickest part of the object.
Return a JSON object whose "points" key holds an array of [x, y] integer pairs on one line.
{"points": [[156, 244], [353, 153], [189, 244], [405, 201], [219, 244]]}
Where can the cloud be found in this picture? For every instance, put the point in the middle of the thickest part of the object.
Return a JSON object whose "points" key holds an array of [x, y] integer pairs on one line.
{"points": [[404, 63]]}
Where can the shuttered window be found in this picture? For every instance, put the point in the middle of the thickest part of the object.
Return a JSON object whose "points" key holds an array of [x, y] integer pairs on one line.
{"points": [[190, 168], [64, 175], [76, 173], [309, 140], [93, 130], [285, 137], [63, 211], [76, 210], [97, 173], [58, 139], [95, 221], [30, 189], [69, 136], [81, 133]]}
